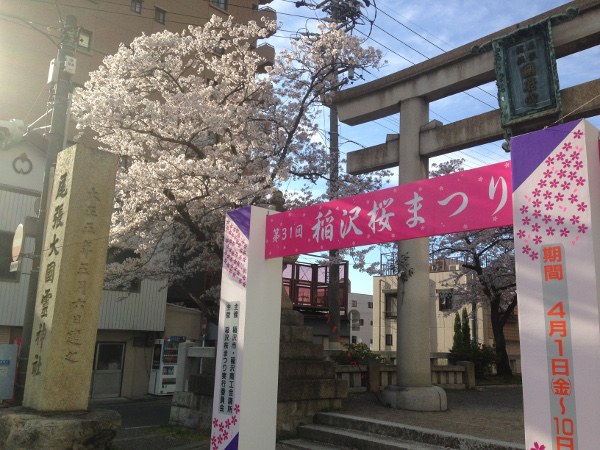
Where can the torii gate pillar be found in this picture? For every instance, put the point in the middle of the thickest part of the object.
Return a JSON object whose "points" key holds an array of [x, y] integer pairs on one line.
{"points": [[413, 390]]}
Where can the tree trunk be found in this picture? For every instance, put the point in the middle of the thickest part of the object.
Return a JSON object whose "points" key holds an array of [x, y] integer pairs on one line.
{"points": [[334, 304], [503, 365]]}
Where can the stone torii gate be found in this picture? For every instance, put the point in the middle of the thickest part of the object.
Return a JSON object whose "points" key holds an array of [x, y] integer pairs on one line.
{"points": [[409, 92]]}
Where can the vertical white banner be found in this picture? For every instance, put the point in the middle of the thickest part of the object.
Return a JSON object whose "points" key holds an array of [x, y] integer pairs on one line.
{"points": [[247, 360], [556, 206]]}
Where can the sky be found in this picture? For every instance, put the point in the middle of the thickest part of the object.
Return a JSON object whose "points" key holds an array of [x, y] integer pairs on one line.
{"points": [[410, 32]]}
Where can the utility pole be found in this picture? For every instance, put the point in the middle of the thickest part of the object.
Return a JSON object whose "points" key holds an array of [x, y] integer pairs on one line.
{"points": [[333, 292], [62, 69], [345, 13]]}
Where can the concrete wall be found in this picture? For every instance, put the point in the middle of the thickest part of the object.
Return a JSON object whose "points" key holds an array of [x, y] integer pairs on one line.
{"points": [[181, 321]]}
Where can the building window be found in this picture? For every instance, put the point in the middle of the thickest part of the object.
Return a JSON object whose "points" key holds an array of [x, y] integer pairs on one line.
{"points": [[445, 298], [354, 339], [159, 15], [361, 322], [6, 240], [354, 303], [391, 305], [355, 320], [370, 305], [388, 339], [220, 3], [85, 39], [371, 323], [136, 6], [219, 49]]}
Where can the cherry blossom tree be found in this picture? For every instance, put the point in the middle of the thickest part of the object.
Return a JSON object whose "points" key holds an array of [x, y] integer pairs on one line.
{"points": [[489, 270], [201, 132]]}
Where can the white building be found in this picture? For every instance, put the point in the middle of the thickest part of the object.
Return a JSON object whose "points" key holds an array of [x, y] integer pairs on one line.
{"points": [[360, 314], [441, 321]]}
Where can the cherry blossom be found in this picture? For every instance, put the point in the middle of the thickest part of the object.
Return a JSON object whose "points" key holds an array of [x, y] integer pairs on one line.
{"points": [[581, 206], [573, 198], [577, 134], [550, 231], [559, 220], [202, 132], [564, 232], [582, 228], [574, 219], [537, 239], [535, 227]]}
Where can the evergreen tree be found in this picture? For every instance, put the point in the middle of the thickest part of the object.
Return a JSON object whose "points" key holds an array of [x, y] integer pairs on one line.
{"points": [[465, 329], [457, 338]]}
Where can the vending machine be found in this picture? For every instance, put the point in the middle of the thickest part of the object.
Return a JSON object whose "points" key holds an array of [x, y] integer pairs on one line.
{"points": [[164, 365]]}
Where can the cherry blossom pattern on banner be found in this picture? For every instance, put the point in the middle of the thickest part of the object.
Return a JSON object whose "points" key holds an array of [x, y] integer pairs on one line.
{"points": [[556, 209], [223, 431], [235, 256]]}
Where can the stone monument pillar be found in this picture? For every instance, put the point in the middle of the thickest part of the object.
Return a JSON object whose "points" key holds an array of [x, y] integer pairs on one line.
{"points": [[66, 312], [413, 388], [71, 278]]}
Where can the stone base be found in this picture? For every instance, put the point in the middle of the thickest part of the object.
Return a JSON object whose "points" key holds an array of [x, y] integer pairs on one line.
{"points": [[192, 410], [25, 428], [294, 413], [431, 398]]}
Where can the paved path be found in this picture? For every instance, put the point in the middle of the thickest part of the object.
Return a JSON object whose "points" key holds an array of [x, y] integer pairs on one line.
{"points": [[491, 412]]}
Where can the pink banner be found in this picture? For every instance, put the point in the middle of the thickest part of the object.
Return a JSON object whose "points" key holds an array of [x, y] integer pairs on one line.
{"points": [[464, 201]]}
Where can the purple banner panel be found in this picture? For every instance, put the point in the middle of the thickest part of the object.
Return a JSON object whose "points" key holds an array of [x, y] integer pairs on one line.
{"points": [[469, 200]]}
